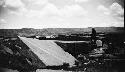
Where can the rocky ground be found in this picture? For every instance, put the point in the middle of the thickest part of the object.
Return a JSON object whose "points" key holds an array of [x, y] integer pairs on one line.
{"points": [[17, 56]]}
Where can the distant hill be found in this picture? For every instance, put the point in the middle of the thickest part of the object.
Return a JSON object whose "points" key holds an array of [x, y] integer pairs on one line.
{"points": [[50, 31]]}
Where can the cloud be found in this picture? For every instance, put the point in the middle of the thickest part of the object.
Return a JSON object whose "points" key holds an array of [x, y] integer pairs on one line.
{"points": [[118, 24], [105, 10], [30, 12], [1, 2], [18, 5], [117, 9], [14, 3], [79, 1], [47, 10], [51, 10], [72, 10], [3, 21], [114, 9], [35, 4], [115, 12]]}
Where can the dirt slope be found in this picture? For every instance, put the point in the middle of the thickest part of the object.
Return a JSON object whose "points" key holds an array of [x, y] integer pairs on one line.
{"points": [[49, 52]]}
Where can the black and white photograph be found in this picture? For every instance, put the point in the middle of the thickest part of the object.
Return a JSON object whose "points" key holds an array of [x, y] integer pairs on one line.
{"points": [[62, 36]]}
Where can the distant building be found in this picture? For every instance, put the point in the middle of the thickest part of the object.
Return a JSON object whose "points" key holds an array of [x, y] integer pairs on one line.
{"points": [[37, 37], [51, 36]]}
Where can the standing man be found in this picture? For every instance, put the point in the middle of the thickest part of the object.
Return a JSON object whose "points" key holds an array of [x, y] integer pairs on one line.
{"points": [[93, 39], [93, 36]]}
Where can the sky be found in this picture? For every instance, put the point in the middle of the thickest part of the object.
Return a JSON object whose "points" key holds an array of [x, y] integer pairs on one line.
{"points": [[38, 14]]}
